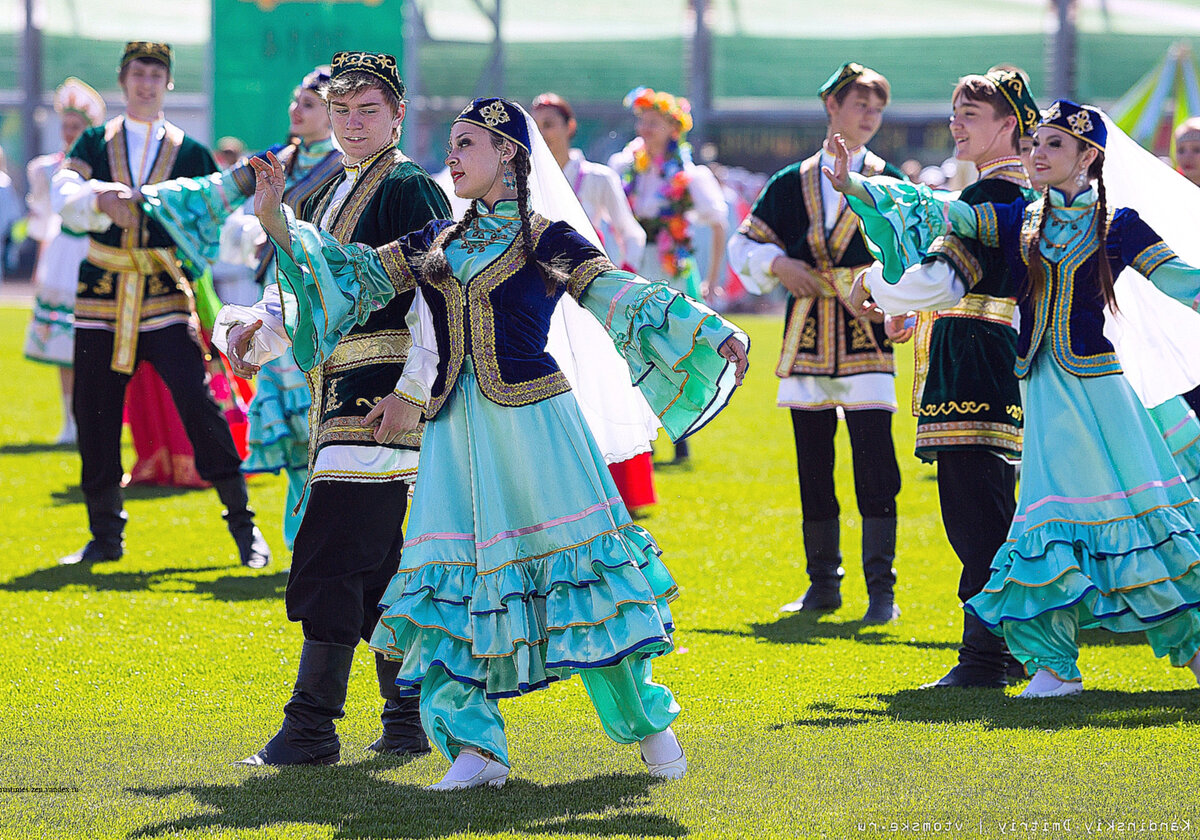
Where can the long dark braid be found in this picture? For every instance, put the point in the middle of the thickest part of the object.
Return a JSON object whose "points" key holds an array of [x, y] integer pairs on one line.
{"points": [[1104, 268], [552, 274], [435, 266], [1035, 285], [1035, 273]]}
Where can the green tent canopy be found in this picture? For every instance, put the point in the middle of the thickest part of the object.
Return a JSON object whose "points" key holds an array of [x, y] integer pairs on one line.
{"points": [[1160, 101]]}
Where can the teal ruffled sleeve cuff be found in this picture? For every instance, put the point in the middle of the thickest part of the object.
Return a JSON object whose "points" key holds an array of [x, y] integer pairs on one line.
{"points": [[670, 343], [901, 220], [193, 210], [326, 288]]}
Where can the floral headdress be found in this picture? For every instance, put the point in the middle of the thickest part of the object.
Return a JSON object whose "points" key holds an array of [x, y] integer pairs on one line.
{"points": [[78, 97], [676, 107]]}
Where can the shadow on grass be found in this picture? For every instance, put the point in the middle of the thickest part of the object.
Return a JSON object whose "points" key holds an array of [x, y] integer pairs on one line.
{"points": [[35, 448], [358, 803], [807, 629], [994, 710], [99, 578], [74, 496]]}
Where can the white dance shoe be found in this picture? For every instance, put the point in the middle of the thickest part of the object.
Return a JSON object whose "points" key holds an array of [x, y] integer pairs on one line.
{"points": [[1045, 684], [663, 756], [472, 769]]}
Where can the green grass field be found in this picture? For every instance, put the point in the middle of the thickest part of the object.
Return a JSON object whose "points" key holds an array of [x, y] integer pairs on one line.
{"points": [[128, 689]]}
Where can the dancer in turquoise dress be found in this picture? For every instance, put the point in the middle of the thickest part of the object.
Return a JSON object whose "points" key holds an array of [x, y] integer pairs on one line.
{"points": [[521, 565], [1105, 532]]}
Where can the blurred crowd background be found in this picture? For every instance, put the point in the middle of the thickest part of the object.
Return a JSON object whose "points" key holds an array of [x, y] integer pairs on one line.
{"points": [[751, 69]]}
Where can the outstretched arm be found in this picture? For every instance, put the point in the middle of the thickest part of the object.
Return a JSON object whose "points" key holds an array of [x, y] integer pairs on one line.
{"points": [[842, 179], [270, 181]]}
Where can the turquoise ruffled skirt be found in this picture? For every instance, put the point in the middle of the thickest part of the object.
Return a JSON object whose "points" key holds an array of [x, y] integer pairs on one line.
{"points": [[1105, 523], [278, 418], [1181, 432], [521, 565]]}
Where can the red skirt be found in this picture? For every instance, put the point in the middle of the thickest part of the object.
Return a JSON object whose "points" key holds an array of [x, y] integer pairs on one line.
{"points": [[635, 481]]}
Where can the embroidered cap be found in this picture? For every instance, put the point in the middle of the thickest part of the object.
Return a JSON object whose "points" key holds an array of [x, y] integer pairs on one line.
{"points": [[78, 97], [843, 76], [151, 50], [1082, 121], [499, 116], [380, 65], [317, 79], [1014, 88]]}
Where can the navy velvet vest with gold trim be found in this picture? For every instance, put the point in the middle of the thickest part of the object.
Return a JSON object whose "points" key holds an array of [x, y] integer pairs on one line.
{"points": [[1070, 313], [502, 317]]}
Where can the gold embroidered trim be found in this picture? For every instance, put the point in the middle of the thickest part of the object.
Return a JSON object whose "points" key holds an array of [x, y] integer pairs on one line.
{"points": [[397, 267], [964, 263], [996, 310], [455, 300], [756, 230], [403, 397], [130, 270], [483, 332], [346, 219], [1151, 258], [584, 273], [360, 349], [954, 407], [1015, 411], [105, 309], [988, 228], [82, 167], [349, 428]]}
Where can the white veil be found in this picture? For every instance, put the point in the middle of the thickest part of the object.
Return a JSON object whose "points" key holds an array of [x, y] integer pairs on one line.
{"points": [[1157, 338], [619, 417]]}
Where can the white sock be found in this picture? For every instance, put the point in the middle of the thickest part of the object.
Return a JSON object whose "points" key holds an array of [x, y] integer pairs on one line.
{"points": [[1043, 680], [661, 747], [469, 762]]}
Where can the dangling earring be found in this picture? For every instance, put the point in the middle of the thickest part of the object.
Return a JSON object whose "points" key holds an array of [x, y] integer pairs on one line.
{"points": [[1081, 179], [510, 178]]}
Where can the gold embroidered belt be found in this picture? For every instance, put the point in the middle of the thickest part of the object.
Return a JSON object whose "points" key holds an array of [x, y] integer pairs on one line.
{"points": [[131, 266], [838, 281], [994, 310], [369, 348], [997, 310]]}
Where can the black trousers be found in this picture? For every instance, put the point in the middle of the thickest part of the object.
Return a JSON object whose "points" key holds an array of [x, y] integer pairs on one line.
{"points": [[99, 400], [876, 473], [977, 491], [346, 552]]}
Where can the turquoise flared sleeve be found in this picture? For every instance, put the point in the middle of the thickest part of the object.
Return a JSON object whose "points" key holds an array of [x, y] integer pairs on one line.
{"points": [[1179, 280], [670, 343], [901, 220], [192, 210], [326, 289]]}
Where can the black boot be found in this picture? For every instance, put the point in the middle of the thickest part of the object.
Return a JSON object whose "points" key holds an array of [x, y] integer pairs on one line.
{"points": [[106, 520], [682, 452], [878, 552], [252, 547], [308, 735], [403, 734], [823, 559], [982, 659]]}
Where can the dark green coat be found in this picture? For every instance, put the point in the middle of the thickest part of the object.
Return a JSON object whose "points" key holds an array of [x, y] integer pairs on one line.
{"points": [[821, 335], [392, 196], [969, 397], [121, 299]]}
